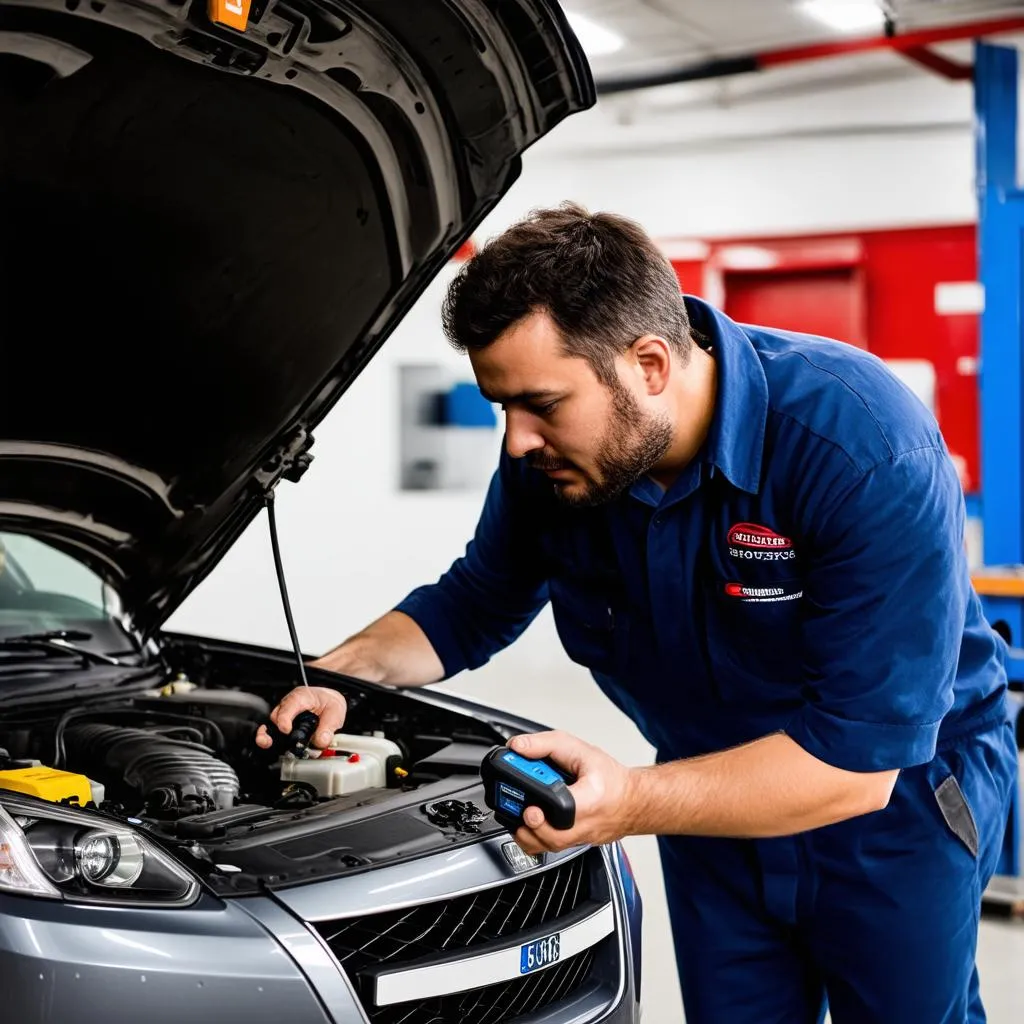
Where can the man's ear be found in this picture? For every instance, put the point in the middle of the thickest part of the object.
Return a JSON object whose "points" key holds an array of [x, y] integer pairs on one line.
{"points": [[653, 358]]}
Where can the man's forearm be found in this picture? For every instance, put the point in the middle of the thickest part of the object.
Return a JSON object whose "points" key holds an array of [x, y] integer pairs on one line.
{"points": [[392, 650], [771, 787]]}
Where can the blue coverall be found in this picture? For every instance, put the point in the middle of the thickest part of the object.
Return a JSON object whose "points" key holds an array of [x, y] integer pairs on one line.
{"points": [[805, 573]]}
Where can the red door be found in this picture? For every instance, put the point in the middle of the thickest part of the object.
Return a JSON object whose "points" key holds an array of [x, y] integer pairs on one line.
{"points": [[828, 301], [823, 284]]}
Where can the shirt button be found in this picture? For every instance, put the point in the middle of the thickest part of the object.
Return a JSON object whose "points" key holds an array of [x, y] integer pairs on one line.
{"points": [[659, 520]]}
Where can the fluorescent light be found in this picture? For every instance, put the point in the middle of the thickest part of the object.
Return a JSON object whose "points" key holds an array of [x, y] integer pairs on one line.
{"points": [[845, 15], [595, 39]]}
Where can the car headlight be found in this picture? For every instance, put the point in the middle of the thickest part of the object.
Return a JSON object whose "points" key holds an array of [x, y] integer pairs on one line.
{"points": [[62, 853]]}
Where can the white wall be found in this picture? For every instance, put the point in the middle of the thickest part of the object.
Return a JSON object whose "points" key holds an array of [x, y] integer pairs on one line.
{"points": [[785, 186], [775, 185]]}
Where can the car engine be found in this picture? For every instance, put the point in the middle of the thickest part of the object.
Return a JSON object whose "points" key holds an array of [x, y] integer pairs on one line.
{"points": [[182, 751], [170, 772]]}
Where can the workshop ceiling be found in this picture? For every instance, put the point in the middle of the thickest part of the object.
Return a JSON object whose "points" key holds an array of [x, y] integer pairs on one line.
{"points": [[663, 33], [881, 89]]}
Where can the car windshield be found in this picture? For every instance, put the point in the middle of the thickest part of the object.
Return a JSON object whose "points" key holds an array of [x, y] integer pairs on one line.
{"points": [[43, 590]]}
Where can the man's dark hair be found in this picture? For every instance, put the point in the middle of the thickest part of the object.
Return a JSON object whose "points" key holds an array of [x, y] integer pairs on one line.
{"points": [[600, 278]]}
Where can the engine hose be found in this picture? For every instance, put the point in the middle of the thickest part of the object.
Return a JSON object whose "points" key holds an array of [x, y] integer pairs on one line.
{"points": [[217, 735], [150, 762]]}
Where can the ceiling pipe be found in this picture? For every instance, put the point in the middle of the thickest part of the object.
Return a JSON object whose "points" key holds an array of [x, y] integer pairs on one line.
{"points": [[951, 69], [912, 42]]}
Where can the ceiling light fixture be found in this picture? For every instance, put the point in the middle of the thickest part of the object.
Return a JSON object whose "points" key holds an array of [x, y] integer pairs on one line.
{"points": [[595, 39], [845, 15]]}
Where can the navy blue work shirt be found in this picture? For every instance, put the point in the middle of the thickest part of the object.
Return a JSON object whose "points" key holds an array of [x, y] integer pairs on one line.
{"points": [[806, 572]]}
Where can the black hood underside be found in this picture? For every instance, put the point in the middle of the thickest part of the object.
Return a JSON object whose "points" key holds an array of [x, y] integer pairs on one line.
{"points": [[207, 234]]}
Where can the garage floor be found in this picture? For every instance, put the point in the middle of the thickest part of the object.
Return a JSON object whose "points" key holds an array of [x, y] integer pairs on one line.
{"points": [[560, 694]]}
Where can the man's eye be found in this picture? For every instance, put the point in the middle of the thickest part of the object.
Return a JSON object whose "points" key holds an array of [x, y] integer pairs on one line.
{"points": [[544, 410]]}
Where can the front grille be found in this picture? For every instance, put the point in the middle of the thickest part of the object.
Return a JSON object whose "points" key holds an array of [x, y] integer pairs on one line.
{"points": [[397, 937]]}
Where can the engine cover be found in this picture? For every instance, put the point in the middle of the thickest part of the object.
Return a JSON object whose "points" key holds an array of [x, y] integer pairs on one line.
{"points": [[172, 775]]}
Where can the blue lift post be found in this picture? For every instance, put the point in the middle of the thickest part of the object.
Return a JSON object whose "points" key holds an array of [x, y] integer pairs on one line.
{"points": [[1001, 271], [1001, 239]]}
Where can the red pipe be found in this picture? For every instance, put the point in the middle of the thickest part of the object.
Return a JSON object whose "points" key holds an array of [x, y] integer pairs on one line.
{"points": [[723, 67], [908, 41], [933, 61]]}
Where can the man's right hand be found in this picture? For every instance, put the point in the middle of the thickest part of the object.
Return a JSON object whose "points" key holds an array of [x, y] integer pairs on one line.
{"points": [[327, 704], [393, 651]]}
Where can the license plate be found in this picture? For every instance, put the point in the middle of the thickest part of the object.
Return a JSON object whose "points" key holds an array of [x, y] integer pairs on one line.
{"points": [[539, 953]]}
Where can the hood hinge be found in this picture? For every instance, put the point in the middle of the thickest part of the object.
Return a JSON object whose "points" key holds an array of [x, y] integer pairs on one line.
{"points": [[289, 462]]}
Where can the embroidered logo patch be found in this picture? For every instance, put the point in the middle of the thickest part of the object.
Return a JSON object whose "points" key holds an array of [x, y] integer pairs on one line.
{"points": [[746, 592], [752, 542]]}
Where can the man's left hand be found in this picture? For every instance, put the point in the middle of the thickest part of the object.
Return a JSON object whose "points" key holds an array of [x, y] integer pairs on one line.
{"points": [[602, 793]]}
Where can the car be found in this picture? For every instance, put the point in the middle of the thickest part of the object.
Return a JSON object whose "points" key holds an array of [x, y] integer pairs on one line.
{"points": [[213, 216]]}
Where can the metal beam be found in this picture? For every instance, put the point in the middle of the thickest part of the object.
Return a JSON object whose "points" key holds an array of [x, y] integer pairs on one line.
{"points": [[745, 63], [898, 42], [941, 65]]}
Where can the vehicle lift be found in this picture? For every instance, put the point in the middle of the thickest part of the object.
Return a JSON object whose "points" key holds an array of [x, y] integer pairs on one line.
{"points": [[1000, 583]]}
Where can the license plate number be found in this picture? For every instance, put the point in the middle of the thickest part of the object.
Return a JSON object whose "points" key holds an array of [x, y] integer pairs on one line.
{"points": [[539, 953]]}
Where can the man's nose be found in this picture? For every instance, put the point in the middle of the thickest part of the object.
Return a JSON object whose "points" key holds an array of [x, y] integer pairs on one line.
{"points": [[521, 437]]}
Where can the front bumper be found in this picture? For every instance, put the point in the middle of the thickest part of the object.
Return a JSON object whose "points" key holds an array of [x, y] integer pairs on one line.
{"points": [[261, 958], [60, 963]]}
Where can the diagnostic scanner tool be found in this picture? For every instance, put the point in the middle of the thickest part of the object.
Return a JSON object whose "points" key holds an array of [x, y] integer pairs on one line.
{"points": [[513, 782]]}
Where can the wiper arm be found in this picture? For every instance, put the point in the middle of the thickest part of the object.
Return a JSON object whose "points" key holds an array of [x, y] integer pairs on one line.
{"points": [[59, 641]]}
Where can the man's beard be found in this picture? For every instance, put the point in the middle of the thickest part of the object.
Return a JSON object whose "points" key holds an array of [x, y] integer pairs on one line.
{"points": [[633, 443]]}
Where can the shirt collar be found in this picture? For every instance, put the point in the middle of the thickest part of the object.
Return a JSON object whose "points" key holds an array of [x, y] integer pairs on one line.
{"points": [[735, 442]]}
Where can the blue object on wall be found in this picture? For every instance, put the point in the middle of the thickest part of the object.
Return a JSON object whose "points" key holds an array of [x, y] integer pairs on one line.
{"points": [[464, 406]]}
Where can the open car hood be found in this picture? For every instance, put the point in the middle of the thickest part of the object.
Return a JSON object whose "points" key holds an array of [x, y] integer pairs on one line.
{"points": [[207, 233]]}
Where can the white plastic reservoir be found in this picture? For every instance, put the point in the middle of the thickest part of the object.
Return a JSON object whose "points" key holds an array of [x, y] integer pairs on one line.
{"points": [[349, 765]]}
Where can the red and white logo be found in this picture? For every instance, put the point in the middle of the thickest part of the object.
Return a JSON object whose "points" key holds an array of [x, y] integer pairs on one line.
{"points": [[760, 538], [746, 592]]}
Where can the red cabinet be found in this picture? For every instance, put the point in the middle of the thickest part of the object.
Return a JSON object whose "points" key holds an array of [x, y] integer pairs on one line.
{"points": [[902, 294]]}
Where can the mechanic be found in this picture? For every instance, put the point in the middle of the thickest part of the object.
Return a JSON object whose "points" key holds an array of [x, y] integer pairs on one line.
{"points": [[755, 542]]}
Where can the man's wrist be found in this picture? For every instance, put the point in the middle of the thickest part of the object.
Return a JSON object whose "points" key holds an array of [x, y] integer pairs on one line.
{"points": [[661, 800], [638, 811]]}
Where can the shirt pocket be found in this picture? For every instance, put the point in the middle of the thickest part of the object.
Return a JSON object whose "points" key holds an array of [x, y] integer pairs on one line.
{"points": [[754, 641], [592, 626]]}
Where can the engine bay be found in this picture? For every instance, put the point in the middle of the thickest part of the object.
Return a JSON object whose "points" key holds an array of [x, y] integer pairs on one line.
{"points": [[178, 759]]}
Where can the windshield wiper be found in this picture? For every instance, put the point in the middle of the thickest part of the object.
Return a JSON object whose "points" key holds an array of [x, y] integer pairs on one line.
{"points": [[58, 641]]}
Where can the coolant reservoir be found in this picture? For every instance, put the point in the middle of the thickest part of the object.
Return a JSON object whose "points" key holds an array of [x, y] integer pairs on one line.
{"points": [[349, 765]]}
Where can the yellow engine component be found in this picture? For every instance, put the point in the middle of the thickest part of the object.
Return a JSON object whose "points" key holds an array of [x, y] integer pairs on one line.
{"points": [[47, 784]]}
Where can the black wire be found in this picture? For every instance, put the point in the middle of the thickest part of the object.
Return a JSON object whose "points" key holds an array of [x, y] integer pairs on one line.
{"points": [[272, 519]]}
